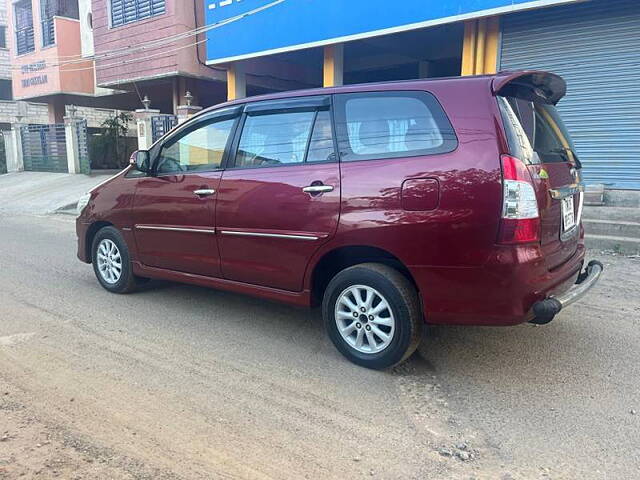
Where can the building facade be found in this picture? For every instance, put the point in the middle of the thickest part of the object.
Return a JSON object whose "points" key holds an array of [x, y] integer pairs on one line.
{"points": [[145, 46], [593, 44], [46, 54], [113, 53], [51, 59]]}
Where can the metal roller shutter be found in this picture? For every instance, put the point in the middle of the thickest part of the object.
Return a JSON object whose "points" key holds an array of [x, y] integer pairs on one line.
{"points": [[595, 46]]}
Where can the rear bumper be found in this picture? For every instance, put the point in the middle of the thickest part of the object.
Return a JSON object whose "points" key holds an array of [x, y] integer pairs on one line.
{"points": [[502, 292], [545, 310]]}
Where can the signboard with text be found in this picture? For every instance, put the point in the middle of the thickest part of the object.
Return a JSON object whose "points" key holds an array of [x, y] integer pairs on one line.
{"points": [[295, 24]]}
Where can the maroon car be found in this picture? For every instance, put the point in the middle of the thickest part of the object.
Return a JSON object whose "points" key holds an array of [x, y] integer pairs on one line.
{"points": [[448, 201]]}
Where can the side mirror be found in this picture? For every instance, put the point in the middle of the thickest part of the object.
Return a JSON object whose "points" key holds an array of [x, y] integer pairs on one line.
{"points": [[140, 160]]}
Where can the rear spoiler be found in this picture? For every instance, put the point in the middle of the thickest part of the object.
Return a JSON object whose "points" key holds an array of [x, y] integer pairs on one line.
{"points": [[531, 85]]}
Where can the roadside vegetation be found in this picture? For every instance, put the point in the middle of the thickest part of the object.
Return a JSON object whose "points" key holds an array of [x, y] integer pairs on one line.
{"points": [[110, 146], [3, 156]]}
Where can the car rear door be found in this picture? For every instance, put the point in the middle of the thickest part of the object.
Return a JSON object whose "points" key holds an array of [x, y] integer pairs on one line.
{"points": [[279, 197], [544, 144], [174, 206]]}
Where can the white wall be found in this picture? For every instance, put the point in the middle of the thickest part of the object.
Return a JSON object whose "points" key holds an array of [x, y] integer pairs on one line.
{"points": [[86, 31]]}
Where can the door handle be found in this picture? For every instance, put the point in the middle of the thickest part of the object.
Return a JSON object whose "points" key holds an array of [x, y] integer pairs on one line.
{"points": [[317, 189], [204, 192]]}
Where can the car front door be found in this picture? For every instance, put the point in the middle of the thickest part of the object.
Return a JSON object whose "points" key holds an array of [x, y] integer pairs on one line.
{"points": [[174, 206], [279, 198]]}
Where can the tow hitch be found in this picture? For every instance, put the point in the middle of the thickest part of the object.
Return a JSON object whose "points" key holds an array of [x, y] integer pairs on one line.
{"points": [[545, 310]]}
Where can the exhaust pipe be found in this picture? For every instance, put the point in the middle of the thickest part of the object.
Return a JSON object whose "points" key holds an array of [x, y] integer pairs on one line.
{"points": [[545, 310]]}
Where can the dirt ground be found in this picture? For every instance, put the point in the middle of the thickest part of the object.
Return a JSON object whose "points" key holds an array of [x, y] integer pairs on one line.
{"points": [[181, 382]]}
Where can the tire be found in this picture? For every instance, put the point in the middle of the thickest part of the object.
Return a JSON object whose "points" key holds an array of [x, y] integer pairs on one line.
{"points": [[125, 281], [400, 320]]}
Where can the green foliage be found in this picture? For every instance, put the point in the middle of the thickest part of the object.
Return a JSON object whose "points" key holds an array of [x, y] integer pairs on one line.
{"points": [[117, 126], [111, 148], [3, 156]]}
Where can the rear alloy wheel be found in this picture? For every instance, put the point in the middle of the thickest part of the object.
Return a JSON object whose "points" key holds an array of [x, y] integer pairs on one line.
{"points": [[364, 319], [111, 261], [372, 315]]}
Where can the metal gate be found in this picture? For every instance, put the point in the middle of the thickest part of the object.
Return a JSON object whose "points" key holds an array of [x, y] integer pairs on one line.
{"points": [[83, 147], [44, 148], [161, 124], [595, 46]]}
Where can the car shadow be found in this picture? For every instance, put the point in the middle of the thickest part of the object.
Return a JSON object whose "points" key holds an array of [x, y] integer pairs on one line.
{"points": [[484, 352]]}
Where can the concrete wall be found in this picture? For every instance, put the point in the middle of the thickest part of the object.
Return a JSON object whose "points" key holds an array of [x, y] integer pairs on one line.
{"points": [[95, 116], [155, 62], [37, 113]]}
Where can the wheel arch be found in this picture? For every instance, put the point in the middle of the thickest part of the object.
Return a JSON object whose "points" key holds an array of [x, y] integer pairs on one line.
{"points": [[91, 234], [339, 258]]}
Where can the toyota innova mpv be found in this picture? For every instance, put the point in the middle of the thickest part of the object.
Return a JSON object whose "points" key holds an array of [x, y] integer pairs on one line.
{"points": [[447, 201]]}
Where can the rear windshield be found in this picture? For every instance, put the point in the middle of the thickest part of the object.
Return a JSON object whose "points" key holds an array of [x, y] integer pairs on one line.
{"points": [[535, 131]]}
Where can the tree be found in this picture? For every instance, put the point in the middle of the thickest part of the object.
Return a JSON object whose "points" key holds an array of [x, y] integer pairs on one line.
{"points": [[110, 148]]}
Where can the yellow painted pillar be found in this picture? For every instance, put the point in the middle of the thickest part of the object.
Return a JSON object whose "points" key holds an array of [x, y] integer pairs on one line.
{"points": [[480, 46], [236, 82], [333, 70]]}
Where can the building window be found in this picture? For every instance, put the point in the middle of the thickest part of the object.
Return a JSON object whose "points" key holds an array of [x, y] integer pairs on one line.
{"points": [[24, 27], [129, 11], [55, 8], [5, 90], [3, 36]]}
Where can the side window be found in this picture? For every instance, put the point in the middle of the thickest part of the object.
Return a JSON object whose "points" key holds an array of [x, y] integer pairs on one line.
{"points": [[274, 139], [391, 125], [321, 144], [197, 150]]}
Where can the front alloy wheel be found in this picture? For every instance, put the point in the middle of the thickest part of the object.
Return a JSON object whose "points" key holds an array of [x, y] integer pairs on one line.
{"points": [[111, 261]]}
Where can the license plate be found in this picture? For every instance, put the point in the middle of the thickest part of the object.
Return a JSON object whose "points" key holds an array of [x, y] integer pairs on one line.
{"points": [[568, 214]]}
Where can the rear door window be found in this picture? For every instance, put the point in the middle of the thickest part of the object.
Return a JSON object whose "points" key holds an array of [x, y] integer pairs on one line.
{"points": [[321, 145], [285, 138], [391, 125]]}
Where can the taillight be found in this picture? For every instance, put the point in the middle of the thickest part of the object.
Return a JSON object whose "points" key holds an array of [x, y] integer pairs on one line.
{"points": [[520, 221]]}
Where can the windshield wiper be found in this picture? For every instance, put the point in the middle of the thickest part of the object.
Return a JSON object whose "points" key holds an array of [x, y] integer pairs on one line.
{"points": [[564, 151]]}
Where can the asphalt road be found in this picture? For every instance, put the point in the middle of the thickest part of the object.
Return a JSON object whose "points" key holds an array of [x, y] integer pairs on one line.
{"points": [[183, 382]]}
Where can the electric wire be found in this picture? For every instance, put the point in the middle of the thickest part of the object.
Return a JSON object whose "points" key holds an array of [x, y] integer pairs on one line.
{"points": [[129, 50]]}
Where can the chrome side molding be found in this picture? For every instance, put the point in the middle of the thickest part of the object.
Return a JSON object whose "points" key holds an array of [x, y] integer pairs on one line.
{"points": [[210, 231], [270, 235]]}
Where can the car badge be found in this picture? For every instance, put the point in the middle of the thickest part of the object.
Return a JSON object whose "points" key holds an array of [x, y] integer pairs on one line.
{"points": [[575, 174], [543, 174]]}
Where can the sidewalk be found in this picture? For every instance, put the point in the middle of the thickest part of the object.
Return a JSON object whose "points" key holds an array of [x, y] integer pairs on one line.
{"points": [[39, 193]]}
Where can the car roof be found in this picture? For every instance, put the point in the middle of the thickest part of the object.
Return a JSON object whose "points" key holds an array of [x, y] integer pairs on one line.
{"points": [[499, 78]]}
